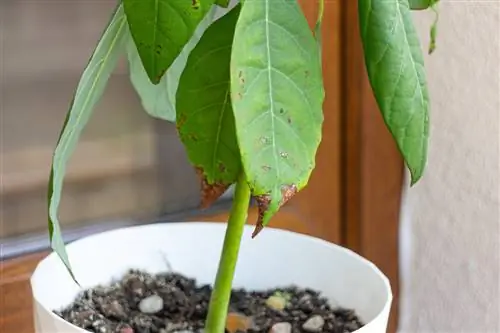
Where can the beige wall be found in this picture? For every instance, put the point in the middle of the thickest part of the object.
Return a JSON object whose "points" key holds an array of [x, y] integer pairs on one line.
{"points": [[450, 235]]}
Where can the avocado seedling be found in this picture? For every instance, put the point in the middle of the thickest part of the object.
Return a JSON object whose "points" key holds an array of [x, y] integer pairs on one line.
{"points": [[247, 99]]}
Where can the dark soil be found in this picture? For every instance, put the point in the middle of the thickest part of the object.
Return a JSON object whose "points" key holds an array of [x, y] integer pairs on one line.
{"points": [[115, 308]]}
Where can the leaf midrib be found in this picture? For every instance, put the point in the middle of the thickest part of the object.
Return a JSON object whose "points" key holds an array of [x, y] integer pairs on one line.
{"points": [[413, 62], [269, 68], [217, 135], [407, 43]]}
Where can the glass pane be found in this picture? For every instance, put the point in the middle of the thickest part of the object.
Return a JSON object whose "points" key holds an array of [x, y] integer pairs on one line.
{"points": [[127, 165]]}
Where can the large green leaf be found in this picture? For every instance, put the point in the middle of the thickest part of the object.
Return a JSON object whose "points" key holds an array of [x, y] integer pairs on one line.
{"points": [[90, 88], [396, 70], [277, 94], [161, 29], [205, 118], [159, 99]]}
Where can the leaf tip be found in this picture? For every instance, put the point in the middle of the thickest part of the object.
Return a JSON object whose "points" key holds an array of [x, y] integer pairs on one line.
{"points": [[210, 192], [415, 175]]}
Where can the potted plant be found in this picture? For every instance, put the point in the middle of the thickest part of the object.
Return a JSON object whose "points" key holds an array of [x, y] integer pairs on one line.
{"points": [[248, 107]]}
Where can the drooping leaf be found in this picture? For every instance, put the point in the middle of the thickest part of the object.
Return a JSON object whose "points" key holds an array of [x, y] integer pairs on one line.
{"points": [[161, 29], [395, 65], [222, 3], [205, 118], [90, 88], [433, 30], [277, 94], [159, 99], [428, 4]]}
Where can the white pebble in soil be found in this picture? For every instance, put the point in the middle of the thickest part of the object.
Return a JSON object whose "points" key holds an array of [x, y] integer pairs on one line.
{"points": [[281, 328], [151, 304], [314, 324]]}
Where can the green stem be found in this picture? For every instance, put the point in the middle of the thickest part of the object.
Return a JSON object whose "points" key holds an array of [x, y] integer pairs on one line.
{"points": [[219, 301]]}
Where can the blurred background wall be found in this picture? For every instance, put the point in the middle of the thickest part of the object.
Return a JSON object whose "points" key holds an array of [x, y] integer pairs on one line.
{"points": [[450, 235]]}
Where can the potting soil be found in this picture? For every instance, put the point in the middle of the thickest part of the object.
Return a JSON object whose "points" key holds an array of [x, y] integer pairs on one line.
{"points": [[172, 303]]}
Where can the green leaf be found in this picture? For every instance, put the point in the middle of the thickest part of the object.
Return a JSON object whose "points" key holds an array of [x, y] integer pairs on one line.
{"points": [[159, 100], [222, 3], [161, 29], [90, 88], [420, 4], [205, 118], [395, 65], [277, 94]]}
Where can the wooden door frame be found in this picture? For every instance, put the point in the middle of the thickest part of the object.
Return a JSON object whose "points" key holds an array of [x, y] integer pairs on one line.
{"points": [[372, 170]]}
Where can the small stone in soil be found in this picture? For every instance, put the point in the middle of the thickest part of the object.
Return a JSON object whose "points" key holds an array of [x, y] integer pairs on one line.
{"points": [[281, 328], [117, 308], [238, 323], [151, 304], [314, 324], [276, 302]]}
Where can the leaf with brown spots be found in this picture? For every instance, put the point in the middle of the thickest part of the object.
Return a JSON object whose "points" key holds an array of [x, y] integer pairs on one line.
{"points": [[205, 118], [277, 90]]}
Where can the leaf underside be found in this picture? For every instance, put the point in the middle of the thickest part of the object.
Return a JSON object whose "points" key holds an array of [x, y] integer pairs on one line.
{"points": [[89, 90], [395, 67], [277, 95], [205, 118], [161, 28], [158, 100]]}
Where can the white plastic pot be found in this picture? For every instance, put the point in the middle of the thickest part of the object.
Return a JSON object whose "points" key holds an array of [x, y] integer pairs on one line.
{"points": [[275, 258]]}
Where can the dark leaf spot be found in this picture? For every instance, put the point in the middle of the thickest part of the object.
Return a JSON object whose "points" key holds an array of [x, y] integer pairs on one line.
{"points": [[263, 205], [266, 168], [195, 4], [264, 140], [287, 192], [181, 120], [282, 111], [222, 167], [209, 192], [289, 120]]}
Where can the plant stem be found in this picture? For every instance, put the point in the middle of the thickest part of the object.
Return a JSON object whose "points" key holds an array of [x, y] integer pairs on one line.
{"points": [[219, 301]]}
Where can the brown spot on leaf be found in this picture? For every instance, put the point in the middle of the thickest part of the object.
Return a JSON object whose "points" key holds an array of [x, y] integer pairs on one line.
{"points": [[307, 73], [209, 192], [192, 136], [263, 205], [181, 120], [287, 192], [222, 167], [266, 168], [195, 4], [240, 96], [240, 74], [289, 120]]}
